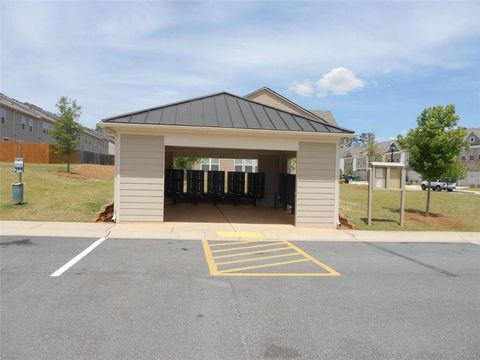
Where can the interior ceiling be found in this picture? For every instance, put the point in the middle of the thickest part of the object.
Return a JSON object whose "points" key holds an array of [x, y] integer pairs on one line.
{"points": [[224, 153]]}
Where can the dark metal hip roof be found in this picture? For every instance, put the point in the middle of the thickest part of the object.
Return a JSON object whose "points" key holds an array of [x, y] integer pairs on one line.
{"points": [[228, 111]]}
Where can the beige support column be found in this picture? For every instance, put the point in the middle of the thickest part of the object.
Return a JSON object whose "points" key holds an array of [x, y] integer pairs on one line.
{"points": [[141, 178], [315, 195]]}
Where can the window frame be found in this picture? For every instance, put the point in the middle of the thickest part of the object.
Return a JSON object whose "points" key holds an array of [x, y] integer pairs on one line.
{"points": [[208, 165]]}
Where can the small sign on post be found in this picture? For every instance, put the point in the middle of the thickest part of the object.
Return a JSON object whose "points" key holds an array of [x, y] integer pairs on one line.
{"points": [[17, 188], [386, 176]]}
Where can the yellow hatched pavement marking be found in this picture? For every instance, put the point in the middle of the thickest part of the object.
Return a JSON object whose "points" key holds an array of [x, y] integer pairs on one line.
{"points": [[233, 243], [213, 264], [264, 266], [247, 247], [240, 234], [252, 252], [258, 258]]}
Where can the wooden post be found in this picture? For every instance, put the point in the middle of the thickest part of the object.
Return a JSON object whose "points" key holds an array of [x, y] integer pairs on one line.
{"points": [[402, 196], [370, 191]]}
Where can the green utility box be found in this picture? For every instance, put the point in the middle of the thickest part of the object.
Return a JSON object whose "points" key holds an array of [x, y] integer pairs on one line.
{"points": [[17, 192]]}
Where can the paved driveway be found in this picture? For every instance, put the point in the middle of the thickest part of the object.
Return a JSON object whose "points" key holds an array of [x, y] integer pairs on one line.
{"points": [[157, 299]]}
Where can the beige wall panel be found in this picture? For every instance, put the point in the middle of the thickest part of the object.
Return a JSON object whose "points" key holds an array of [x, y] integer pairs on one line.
{"points": [[267, 98], [316, 190], [141, 178], [139, 199]]}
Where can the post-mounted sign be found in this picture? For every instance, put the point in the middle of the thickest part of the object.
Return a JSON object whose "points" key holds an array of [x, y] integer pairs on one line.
{"points": [[18, 166], [386, 176]]}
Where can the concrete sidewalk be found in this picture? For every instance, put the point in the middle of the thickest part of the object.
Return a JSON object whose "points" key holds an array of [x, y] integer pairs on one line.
{"points": [[216, 231]]}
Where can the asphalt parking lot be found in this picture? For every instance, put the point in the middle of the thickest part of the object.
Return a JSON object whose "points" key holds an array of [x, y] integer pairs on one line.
{"points": [[158, 299]]}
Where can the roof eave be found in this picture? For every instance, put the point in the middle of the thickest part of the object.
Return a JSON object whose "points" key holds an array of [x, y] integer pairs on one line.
{"points": [[163, 129]]}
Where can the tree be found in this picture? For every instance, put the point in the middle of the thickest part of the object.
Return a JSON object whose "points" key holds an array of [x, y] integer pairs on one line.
{"points": [[372, 151], [67, 130], [185, 162], [455, 172], [435, 144]]}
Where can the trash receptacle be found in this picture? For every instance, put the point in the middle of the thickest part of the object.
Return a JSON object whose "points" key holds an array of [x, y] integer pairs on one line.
{"points": [[17, 192]]}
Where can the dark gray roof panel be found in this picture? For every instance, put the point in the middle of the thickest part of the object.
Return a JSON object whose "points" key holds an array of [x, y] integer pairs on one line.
{"points": [[229, 111]]}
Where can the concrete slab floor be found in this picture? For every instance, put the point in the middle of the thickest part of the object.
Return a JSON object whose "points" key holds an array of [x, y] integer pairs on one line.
{"points": [[227, 213]]}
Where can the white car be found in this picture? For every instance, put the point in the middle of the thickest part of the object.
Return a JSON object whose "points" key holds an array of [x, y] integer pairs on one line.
{"points": [[438, 185]]}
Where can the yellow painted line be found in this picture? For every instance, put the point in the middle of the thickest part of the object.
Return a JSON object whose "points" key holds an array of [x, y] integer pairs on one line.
{"points": [[234, 243], [322, 265], [243, 234], [263, 266], [258, 258], [212, 266], [252, 252], [247, 247], [276, 274]]}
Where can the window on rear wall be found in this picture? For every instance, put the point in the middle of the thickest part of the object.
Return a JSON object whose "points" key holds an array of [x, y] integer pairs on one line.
{"points": [[210, 164], [246, 165], [30, 124]]}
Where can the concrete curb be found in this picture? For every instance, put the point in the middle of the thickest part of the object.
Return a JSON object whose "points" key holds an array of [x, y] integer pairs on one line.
{"points": [[198, 231]]}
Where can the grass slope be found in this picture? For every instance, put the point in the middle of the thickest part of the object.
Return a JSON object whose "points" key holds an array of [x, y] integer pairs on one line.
{"points": [[451, 211], [52, 195]]}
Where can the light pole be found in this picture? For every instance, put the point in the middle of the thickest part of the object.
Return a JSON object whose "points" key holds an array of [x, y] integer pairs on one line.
{"points": [[392, 149]]}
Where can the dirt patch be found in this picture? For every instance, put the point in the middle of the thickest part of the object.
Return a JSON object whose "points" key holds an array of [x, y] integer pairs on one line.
{"points": [[90, 171], [104, 172], [434, 219], [72, 175]]}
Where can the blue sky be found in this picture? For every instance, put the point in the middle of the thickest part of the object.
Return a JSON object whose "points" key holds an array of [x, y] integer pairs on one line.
{"points": [[375, 65]]}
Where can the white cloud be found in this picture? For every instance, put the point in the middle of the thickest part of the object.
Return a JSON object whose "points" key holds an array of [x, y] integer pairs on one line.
{"points": [[339, 81], [304, 88]]}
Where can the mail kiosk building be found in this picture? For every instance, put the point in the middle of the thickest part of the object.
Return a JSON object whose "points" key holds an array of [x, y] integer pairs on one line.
{"points": [[263, 126]]}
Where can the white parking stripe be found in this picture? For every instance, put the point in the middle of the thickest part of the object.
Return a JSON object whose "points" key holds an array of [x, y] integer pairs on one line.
{"points": [[474, 242], [77, 258]]}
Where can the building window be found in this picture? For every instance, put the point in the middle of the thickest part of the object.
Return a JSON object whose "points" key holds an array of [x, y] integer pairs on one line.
{"points": [[463, 157], [3, 115], [210, 164], [46, 128], [471, 157], [246, 165], [472, 139], [30, 125]]}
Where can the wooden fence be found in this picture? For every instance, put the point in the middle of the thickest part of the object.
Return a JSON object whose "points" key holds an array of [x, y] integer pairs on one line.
{"points": [[45, 154]]}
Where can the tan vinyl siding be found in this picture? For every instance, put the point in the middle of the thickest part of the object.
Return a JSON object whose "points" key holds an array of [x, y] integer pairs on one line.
{"points": [[267, 98], [141, 180], [316, 191]]}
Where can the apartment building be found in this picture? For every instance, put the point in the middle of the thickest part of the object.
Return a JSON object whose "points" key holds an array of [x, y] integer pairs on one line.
{"points": [[25, 122], [470, 158]]}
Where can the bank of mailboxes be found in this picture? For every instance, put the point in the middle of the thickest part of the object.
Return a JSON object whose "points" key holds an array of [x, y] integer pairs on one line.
{"points": [[195, 184], [286, 190], [237, 188], [174, 184]]}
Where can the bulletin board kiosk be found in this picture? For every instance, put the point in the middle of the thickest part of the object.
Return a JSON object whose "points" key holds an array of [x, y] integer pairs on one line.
{"points": [[388, 176]]}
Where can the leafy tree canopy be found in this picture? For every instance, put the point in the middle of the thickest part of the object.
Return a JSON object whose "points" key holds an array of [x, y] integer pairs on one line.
{"points": [[67, 130]]}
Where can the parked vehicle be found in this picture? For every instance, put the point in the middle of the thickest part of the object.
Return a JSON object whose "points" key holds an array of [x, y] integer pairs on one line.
{"points": [[438, 185], [349, 178]]}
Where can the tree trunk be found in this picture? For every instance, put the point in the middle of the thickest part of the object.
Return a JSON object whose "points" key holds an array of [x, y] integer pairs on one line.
{"points": [[427, 210], [68, 164]]}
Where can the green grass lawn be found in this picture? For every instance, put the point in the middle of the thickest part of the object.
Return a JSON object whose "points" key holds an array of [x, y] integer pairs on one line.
{"points": [[451, 211], [50, 196]]}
